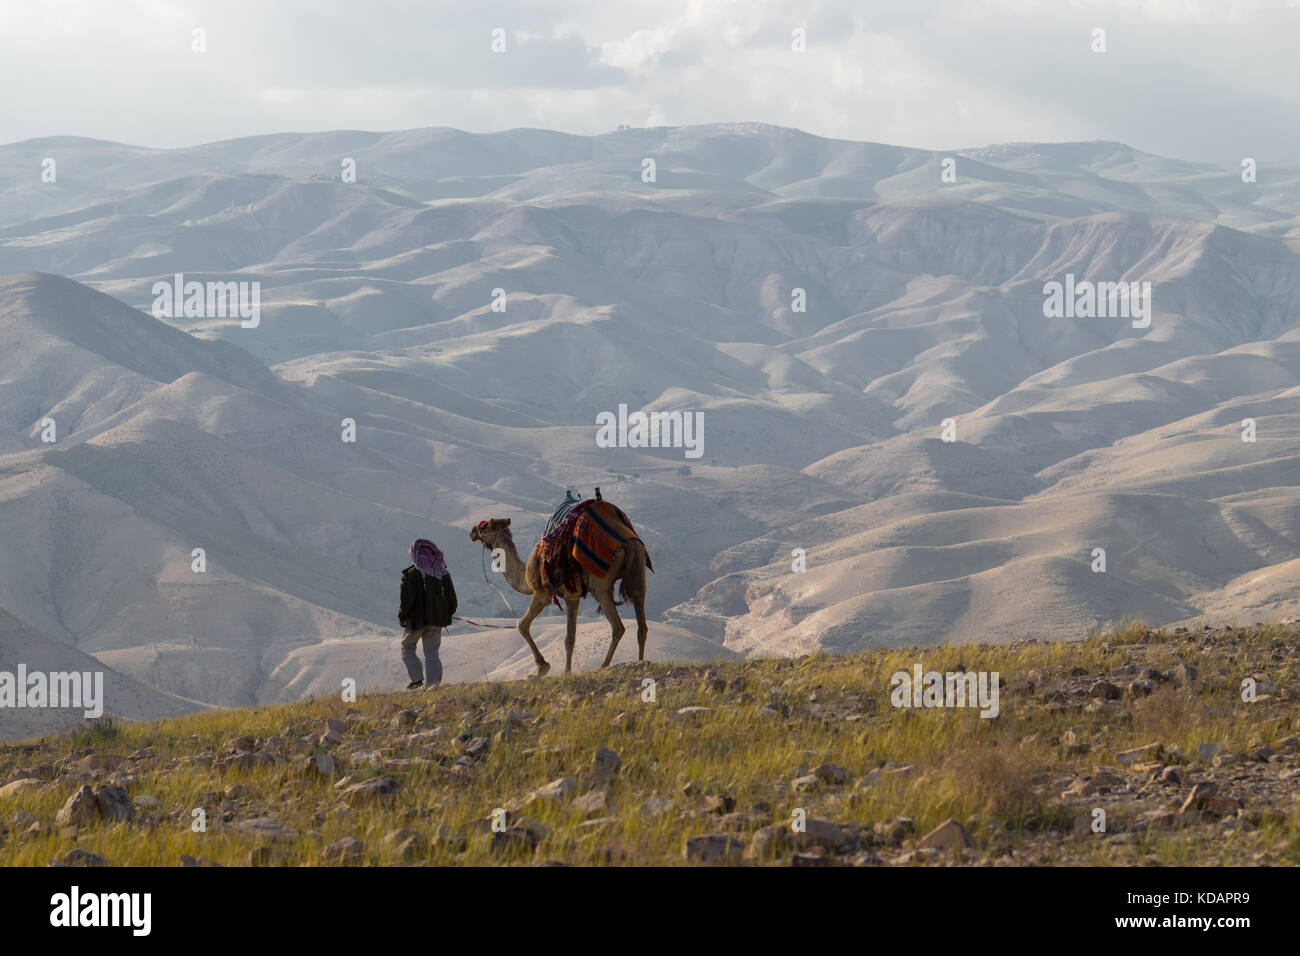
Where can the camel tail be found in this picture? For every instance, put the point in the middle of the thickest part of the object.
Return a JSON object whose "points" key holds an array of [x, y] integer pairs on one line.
{"points": [[638, 560]]}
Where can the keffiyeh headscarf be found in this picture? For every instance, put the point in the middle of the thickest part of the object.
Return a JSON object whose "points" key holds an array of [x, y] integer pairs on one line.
{"points": [[426, 556]]}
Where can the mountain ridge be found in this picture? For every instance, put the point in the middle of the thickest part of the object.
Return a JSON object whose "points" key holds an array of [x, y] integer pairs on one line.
{"points": [[473, 339]]}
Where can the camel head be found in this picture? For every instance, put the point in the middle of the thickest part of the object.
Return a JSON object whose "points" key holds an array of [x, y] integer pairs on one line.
{"points": [[490, 531]]}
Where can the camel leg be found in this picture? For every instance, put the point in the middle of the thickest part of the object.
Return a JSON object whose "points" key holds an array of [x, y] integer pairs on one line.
{"points": [[642, 629], [540, 600], [616, 628], [570, 632]]}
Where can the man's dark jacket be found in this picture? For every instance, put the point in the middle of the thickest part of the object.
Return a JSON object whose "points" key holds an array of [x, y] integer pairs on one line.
{"points": [[426, 601]]}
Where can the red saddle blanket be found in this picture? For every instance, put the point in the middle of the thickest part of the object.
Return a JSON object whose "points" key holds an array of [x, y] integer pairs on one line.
{"points": [[587, 538]]}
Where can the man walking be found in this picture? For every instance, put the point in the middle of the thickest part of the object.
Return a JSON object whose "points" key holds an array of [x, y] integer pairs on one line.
{"points": [[428, 603]]}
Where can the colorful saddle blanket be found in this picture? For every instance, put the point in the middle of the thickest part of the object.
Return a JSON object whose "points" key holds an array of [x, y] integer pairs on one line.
{"points": [[587, 537], [561, 512]]}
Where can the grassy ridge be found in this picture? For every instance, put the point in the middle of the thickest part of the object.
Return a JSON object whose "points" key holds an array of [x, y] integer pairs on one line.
{"points": [[1023, 787]]}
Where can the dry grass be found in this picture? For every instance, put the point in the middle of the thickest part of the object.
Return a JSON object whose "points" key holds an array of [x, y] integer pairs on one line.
{"points": [[771, 721]]}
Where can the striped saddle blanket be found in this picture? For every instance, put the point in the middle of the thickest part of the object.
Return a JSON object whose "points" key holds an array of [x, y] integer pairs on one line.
{"points": [[587, 537]]}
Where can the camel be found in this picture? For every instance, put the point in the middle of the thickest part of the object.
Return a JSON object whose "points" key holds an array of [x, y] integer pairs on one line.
{"points": [[627, 568]]}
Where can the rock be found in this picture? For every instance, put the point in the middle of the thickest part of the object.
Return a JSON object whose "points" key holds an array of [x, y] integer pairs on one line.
{"points": [[901, 771], [913, 856], [80, 857], [99, 763], [539, 830], [655, 806], [374, 790], [268, 828], [44, 772], [1172, 774], [513, 841], [714, 848], [446, 838], [316, 765], [606, 762], [818, 833], [1080, 788], [1140, 754], [1218, 806], [892, 832], [814, 857], [22, 818], [1104, 690], [406, 844], [202, 861], [345, 852], [740, 821], [17, 788], [769, 841], [247, 760], [113, 803], [517, 718], [719, 803], [478, 747], [79, 810], [806, 784], [334, 725], [832, 774], [1208, 751], [693, 711], [870, 780], [554, 791], [1201, 793], [1157, 818], [265, 856], [949, 836], [593, 804]]}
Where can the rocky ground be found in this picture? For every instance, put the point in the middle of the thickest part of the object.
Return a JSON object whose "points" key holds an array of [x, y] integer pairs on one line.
{"points": [[1133, 747]]}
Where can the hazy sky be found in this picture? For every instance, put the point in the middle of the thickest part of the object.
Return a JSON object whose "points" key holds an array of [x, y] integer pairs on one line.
{"points": [[1208, 80]]}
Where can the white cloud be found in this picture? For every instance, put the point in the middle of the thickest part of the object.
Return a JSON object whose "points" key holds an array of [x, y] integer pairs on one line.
{"points": [[1202, 79]]}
